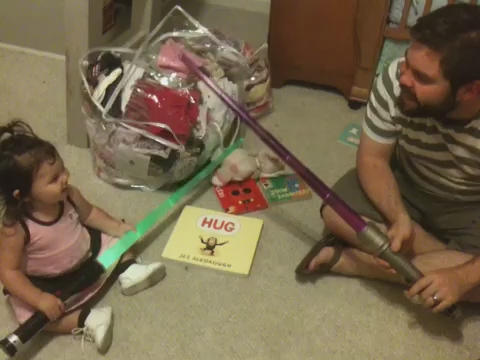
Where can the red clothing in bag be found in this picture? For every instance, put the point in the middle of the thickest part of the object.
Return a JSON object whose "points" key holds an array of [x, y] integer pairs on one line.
{"points": [[178, 109]]}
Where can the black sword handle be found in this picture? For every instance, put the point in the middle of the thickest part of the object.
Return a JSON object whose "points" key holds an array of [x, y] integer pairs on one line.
{"points": [[12, 343]]}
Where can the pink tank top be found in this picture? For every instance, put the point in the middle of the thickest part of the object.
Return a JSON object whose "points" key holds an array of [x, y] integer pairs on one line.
{"points": [[57, 246]]}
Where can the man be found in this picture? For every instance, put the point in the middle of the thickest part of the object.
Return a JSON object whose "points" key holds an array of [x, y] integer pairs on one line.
{"points": [[418, 166]]}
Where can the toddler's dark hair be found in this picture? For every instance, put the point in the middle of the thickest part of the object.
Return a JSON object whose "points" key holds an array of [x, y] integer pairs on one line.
{"points": [[22, 153]]}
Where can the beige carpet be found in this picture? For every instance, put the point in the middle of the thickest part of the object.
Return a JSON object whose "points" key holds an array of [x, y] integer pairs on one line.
{"points": [[205, 315]]}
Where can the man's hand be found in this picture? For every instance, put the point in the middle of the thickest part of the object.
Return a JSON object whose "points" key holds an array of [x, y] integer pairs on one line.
{"points": [[401, 234], [446, 285]]}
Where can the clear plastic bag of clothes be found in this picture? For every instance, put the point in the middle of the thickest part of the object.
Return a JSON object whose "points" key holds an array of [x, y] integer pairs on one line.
{"points": [[257, 87], [150, 121]]}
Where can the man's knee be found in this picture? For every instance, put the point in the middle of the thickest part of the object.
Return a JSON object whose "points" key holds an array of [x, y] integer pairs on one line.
{"points": [[331, 219], [326, 213], [322, 209], [329, 216]]}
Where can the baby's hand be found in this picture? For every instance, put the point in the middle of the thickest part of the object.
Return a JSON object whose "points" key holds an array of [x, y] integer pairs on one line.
{"points": [[124, 227], [51, 306]]}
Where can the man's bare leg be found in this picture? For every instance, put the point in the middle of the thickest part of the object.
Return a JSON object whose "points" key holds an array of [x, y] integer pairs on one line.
{"points": [[354, 261], [428, 254], [424, 242]]}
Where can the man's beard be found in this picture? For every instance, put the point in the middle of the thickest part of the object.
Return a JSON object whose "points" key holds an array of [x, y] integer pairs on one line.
{"points": [[416, 109]]}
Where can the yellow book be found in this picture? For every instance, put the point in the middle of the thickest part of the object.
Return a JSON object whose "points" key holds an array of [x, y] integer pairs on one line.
{"points": [[214, 240]]}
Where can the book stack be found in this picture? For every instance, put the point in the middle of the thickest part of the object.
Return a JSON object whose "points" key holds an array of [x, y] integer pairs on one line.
{"points": [[250, 195]]}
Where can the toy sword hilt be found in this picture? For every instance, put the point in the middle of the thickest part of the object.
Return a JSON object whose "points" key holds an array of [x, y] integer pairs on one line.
{"points": [[378, 244], [13, 343]]}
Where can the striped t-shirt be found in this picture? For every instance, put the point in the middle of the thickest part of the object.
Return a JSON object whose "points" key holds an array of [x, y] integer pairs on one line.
{"points": [[441, 159]]}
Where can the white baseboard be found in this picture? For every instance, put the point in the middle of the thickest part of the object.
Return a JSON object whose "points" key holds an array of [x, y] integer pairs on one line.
{"points": [[262, 6], [32, 51]]}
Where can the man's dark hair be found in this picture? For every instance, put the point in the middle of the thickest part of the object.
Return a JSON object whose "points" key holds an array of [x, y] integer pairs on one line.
{"points": [[453, 31]]}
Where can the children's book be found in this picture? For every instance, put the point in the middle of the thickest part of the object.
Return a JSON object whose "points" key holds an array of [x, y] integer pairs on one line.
{"points": [[214, 240], [351, 135], [241, 197], [285, 188]]}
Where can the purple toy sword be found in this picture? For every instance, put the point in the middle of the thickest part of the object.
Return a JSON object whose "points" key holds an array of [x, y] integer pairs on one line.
{"points": [[368, 234]]}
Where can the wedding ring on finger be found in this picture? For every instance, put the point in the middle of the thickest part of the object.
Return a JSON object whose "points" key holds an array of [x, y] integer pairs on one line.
{"points": [[436, 299]]}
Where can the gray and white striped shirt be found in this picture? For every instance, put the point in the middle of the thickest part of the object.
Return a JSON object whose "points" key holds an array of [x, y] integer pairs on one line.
{"points": [[441, 159]]}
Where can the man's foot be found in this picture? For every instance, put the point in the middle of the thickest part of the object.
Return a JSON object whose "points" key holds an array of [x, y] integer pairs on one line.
{"points": [[322, 257], [98, 328], [139, 277], [325, 256]]}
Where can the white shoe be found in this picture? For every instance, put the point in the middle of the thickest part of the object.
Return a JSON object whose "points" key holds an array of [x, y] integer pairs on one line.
{"points": [[98, 328], [139, 277]]}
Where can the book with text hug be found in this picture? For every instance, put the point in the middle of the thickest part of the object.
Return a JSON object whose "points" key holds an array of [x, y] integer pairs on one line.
{"points": [[241, 197], [214, 240], [285, 188]]}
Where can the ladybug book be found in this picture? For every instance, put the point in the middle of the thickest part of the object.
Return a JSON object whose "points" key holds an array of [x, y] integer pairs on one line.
{"points": [[241, 197], [214, 240]]}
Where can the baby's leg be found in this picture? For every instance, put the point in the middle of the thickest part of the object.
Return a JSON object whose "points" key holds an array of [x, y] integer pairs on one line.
{"points": [[94, 324], [135, 276], [129, 256], [68, 323]]}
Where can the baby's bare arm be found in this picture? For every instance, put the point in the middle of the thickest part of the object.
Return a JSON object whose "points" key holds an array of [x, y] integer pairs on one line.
{"points": [[12, 241], [95, 217]]}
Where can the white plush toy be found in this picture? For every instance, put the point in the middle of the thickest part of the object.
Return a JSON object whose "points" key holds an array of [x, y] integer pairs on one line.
{"points": [[241, 165]]}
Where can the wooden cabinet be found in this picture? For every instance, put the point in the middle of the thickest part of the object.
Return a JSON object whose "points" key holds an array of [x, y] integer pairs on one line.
{"points": [[327, 42]]}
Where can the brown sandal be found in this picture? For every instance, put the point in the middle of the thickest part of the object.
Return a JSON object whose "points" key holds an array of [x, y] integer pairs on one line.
{"points": [[326, 241]]}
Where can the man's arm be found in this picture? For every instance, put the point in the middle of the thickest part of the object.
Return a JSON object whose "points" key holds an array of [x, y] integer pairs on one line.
{"points": [[470, 273], [376, 177], [378, 141]]}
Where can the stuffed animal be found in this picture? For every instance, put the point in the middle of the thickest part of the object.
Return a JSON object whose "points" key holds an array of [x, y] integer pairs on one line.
{"points": [[241, 165]]}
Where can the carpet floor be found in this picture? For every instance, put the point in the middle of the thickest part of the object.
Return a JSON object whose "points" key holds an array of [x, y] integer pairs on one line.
{"points": [[199, 314]]}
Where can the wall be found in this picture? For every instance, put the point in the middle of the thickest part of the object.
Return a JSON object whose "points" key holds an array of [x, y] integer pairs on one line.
{"points": [[262, 6], [33, 24], [39, 25], [231, 20]]}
